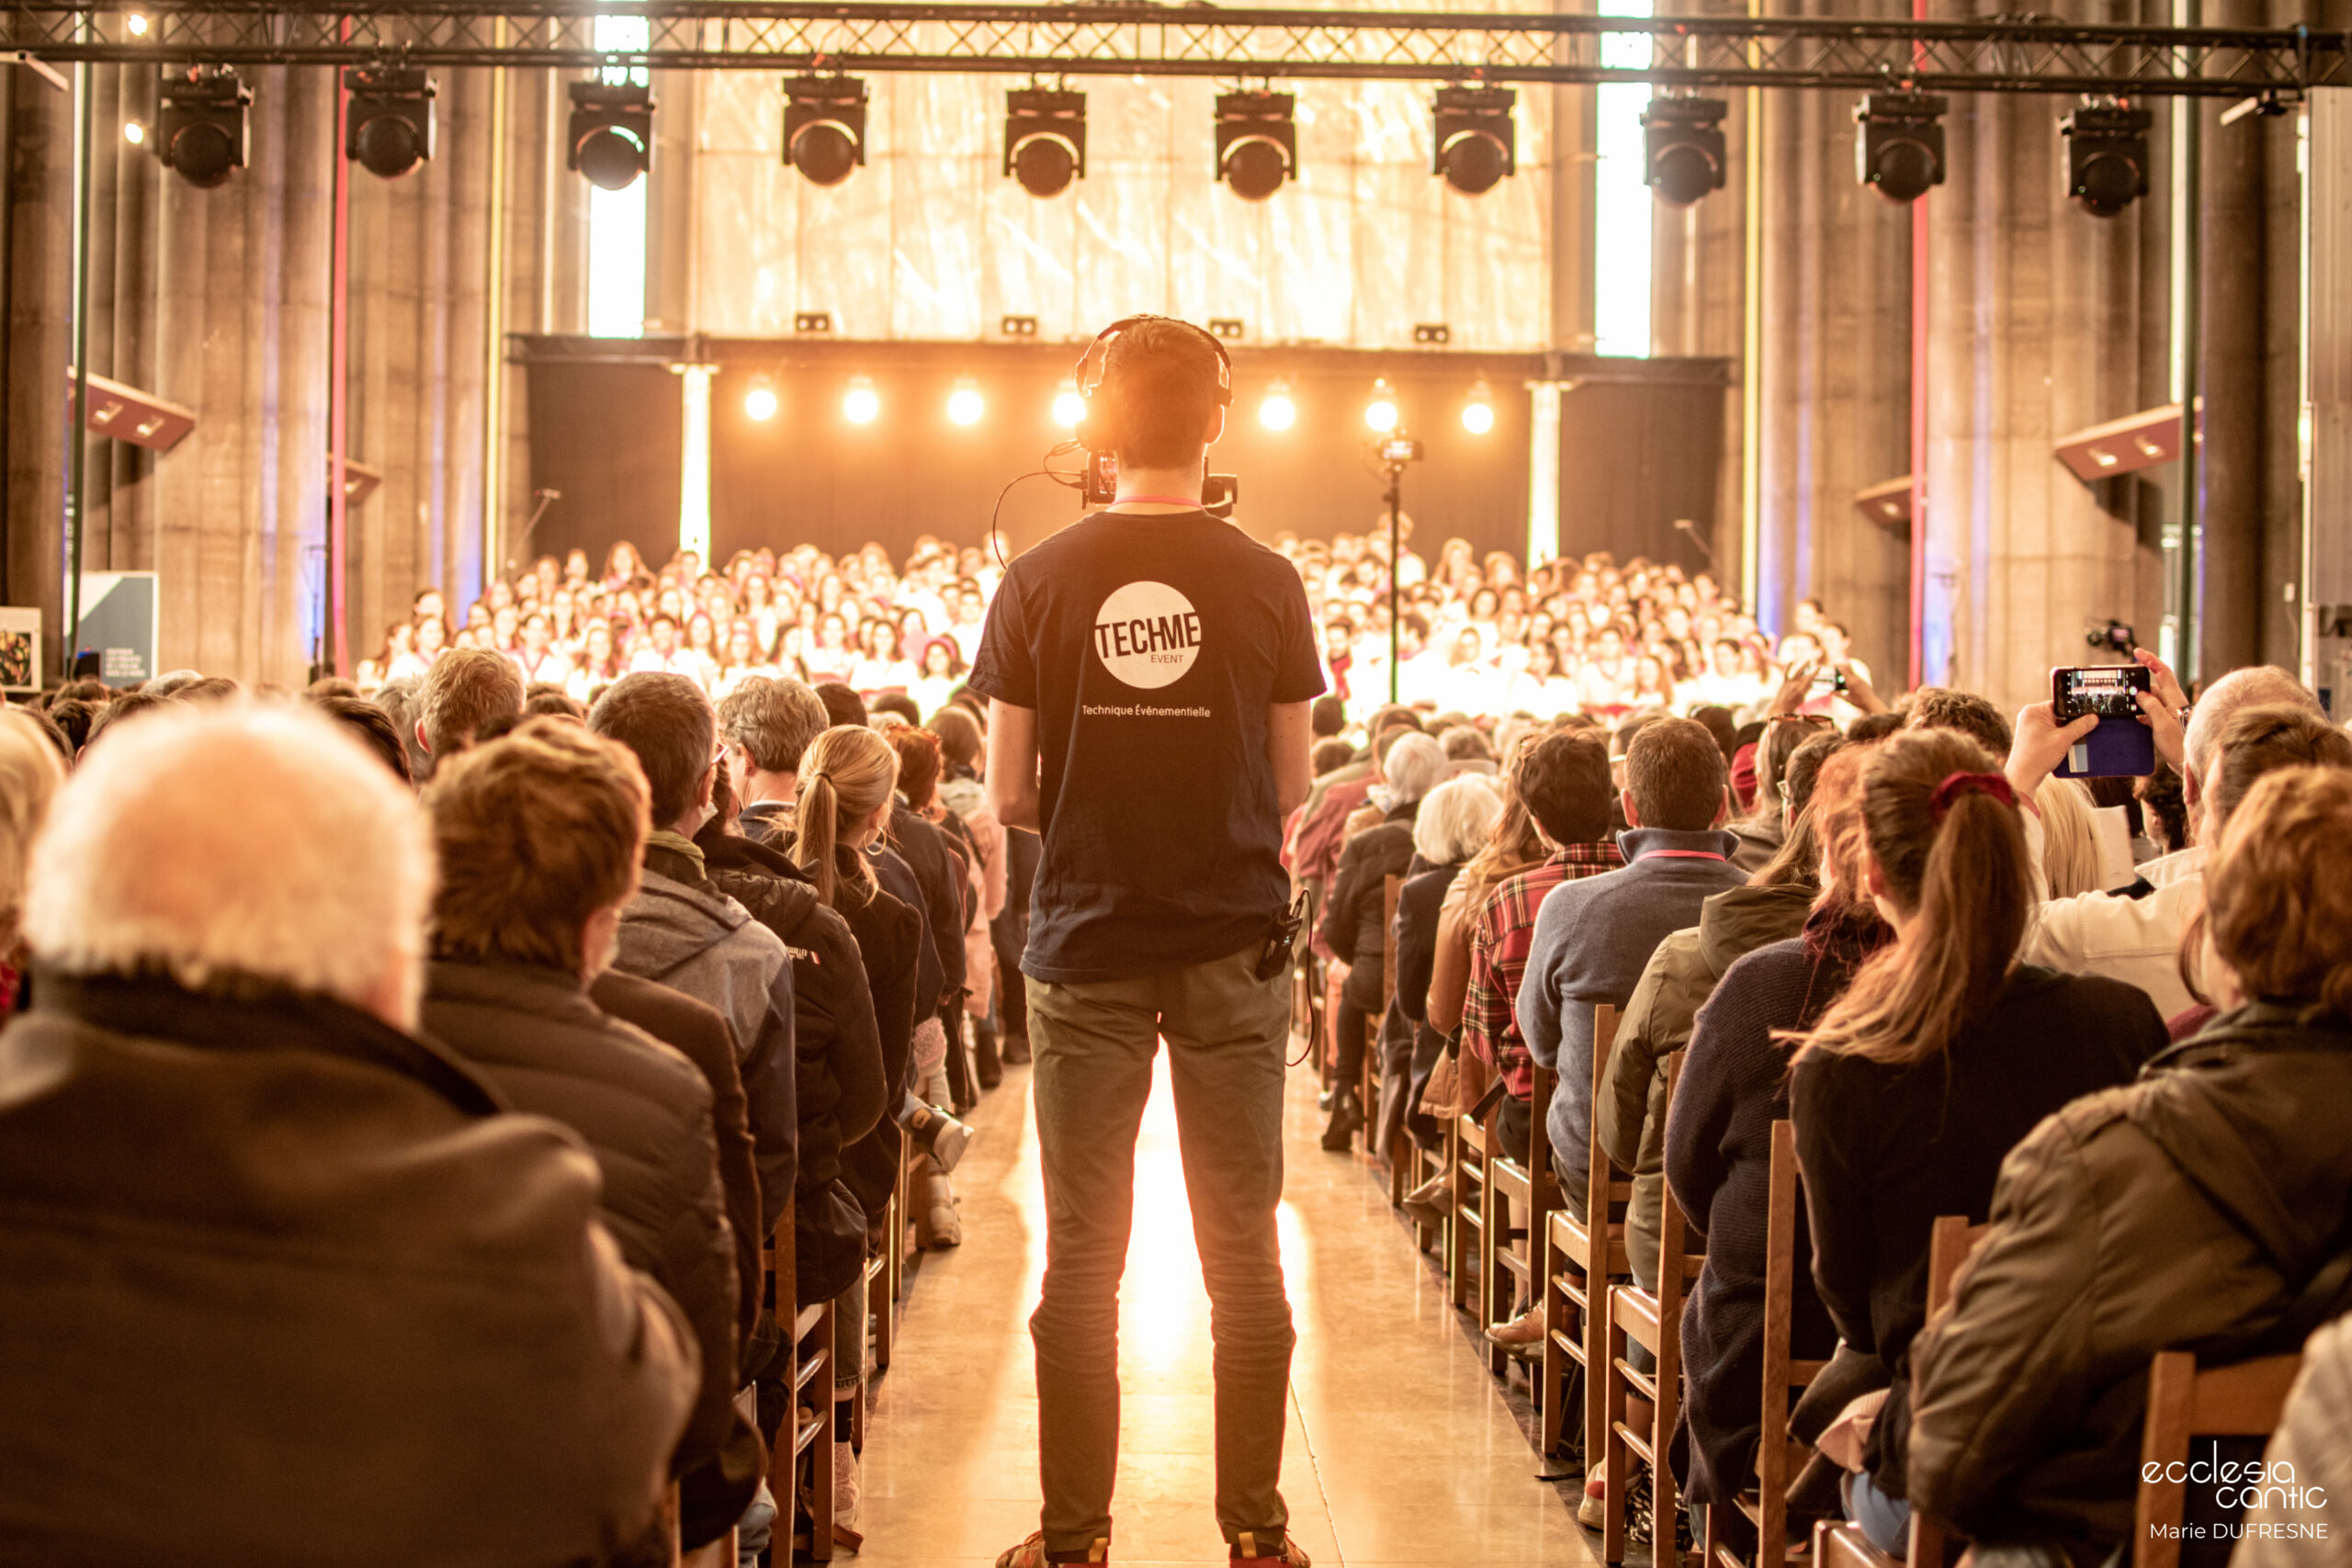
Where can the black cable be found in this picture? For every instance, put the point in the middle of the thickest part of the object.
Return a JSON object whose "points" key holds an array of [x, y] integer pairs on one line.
{"points": [[998, 539]]}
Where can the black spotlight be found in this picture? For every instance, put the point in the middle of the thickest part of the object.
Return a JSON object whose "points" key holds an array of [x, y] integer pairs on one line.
{"points": [[1257, 144], [611, 132], [2107, 156], [1045, 139], [1682, 148], [824, 127], [2114, 636], [390, 129], [200, 124], [1900, 148], [1476, 143]]}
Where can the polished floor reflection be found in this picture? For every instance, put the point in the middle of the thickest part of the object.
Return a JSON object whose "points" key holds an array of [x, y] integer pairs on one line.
{"points": [[1400, 1447]]}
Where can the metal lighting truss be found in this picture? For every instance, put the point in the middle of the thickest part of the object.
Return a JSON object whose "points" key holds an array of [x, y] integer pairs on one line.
{"points": [[1998, 54]]}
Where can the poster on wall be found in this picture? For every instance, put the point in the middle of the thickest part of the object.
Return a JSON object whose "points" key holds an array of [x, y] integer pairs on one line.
{"points": [[120, 611], [19, 650]]}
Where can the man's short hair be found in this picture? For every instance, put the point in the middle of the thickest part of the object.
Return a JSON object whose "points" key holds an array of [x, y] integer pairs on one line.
{"points": [[2276, 901], [1463, 743], [1803, 769], [373, 727], [1326, 718], [1564, 781], [149, 861], [124, 708], [1675, 773], [773, 720], [2258, 686], [1161, 386], [537, 832], [466, 688], [2258, 740], [667, 721], [842, 706], [1331, 754], [897, 703], [1940, 708]]}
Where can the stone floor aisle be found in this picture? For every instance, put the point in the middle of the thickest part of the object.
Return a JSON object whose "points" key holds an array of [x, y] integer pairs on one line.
{"points": [[1400, 1447]]}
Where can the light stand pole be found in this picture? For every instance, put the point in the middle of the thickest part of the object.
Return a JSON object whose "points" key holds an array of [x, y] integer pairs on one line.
{"points": [[1394, 467]]}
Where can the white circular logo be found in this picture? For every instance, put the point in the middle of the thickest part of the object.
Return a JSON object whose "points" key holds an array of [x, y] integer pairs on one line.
{"points": [[1147, 635]]}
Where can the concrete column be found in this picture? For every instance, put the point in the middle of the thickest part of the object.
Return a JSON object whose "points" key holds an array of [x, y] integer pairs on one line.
{"points": [[2231, 233]]}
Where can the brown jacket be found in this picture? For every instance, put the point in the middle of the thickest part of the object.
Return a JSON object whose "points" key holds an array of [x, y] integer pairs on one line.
{"points": [[277, 1285], [2186, 1209]]}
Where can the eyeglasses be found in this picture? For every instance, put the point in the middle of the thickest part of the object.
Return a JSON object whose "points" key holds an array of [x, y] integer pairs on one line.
{"points": [[1815, 720]]}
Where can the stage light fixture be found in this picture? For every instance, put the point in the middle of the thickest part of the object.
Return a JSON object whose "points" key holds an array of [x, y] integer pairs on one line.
{"points": [[388, 130], [861, 403], [137, 24], [611, 132], [1069, 407], [1381, 412], [1257, 143], [200, 124], [1682, 148], [1278, 412], [760, 402], [133, 132], [965, 404], [2107, 156], [1476, 143], [1479, 413], [1045, 139], [1899, 146], [824, 127]]}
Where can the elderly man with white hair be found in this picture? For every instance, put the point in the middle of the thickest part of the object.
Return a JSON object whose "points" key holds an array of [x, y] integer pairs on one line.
{"points": [[1355, 915], [2138, 940], [278, 1279]]}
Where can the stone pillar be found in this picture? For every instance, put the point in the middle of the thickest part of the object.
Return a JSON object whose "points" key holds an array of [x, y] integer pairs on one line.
{"points": [[2234, 244]]}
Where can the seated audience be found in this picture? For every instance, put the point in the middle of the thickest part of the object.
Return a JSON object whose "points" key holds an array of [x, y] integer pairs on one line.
{"points": [[680, 930], [2311, 1445], [1939, 1057], [2201, 1206], [292, 1290], [1718, 1140], [538, 837], [31, 775], [1354, 924], [467, 689], [1454, 820]]}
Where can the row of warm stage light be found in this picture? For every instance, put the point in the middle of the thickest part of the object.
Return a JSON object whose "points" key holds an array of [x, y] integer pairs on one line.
{"points": [[1277, 410]]}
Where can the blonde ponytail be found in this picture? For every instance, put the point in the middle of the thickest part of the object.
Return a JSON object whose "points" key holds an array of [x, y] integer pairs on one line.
{"points": [[846, 776]]}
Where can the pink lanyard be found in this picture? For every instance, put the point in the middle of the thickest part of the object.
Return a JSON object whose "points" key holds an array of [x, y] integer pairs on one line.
{"points": [[1192, 500], [1677, 855]]}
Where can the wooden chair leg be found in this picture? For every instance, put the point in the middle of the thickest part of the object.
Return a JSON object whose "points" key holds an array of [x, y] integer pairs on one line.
{"points": [[1614, 1454], [1552, 1375], [1457, 1234]]}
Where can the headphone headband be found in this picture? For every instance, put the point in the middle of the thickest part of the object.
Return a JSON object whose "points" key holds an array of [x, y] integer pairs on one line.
{"points": [[1091, 363]]}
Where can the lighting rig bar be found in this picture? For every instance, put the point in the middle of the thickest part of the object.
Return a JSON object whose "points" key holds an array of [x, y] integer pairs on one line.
{"points": [[1199, 40]]}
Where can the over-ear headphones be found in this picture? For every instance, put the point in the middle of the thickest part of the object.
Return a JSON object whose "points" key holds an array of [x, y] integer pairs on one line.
{"points": [[1090, 364]]}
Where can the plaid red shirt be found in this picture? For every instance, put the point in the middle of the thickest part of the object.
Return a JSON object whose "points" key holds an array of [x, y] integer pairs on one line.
{"points": [[1500, 938]]}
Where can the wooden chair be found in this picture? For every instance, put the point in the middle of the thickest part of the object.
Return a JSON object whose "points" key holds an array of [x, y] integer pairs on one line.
{"points": [[808, 1428], [882, 1279], [1512, 1257], [2187, 1400], [1576, 1253], [1951, 1242], [1470, 1145], [1652, 1319], [1776, 1462]]}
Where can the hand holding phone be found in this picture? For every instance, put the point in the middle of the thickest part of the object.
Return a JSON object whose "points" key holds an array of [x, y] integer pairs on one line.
{"points": [[2122, 745]]}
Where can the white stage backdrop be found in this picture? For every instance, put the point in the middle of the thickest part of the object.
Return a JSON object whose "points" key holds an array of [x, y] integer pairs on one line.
{"points": [[930, 240]]}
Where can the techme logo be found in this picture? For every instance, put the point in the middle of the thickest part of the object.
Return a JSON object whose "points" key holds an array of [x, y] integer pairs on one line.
{"points": [[1147, 635]]}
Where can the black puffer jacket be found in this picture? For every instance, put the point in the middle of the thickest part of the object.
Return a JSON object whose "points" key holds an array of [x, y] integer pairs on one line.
{"points": [[839, 1079], [1353, 916], [644, 1112]]}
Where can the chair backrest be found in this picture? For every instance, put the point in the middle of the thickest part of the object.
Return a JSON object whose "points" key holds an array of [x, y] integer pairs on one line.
{"points": [[1677, 1264], [1392, 890], [1951, 1241], [1776, 1462], [1597, 1168], [2186, 1401]]}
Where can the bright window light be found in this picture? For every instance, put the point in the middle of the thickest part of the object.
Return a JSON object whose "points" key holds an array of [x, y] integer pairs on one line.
{"points": [[965, 404], [861, 403], [1623, 205], [617, 228], [1278, 412]]}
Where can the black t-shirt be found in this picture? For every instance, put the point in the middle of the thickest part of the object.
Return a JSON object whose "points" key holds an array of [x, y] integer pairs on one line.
{"points": [[1151, 646]]}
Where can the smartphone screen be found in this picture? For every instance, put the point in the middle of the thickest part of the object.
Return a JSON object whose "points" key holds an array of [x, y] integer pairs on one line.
{"points": [[2107, 690]]}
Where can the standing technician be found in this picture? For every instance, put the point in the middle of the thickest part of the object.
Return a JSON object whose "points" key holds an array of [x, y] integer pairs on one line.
{"points": [[1158, 663]]}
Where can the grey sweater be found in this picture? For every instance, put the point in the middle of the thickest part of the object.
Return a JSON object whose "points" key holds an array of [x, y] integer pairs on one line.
{"points": [[1593, 938]]}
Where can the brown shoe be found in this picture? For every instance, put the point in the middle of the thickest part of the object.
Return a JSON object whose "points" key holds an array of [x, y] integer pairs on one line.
{"points": [[1524, 1332], [1032, 1553], [1249, 1551]]}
